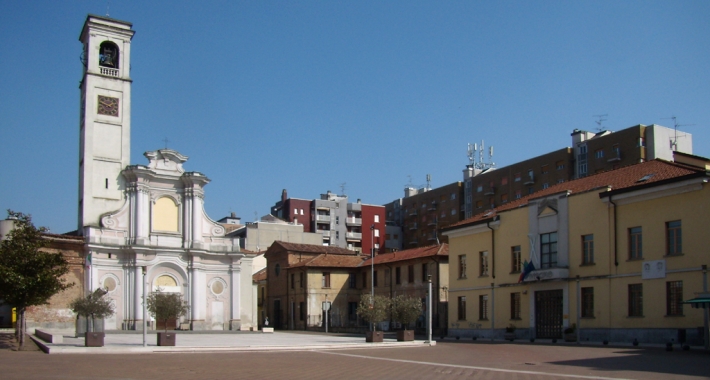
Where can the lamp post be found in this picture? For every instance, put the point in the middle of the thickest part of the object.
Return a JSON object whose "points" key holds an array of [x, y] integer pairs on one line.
{"points": [[372, 269], [428, 307], [145, 324]]}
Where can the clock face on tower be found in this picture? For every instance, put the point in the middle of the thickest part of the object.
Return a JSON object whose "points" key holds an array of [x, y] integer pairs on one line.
{"points": [[108, 106]]}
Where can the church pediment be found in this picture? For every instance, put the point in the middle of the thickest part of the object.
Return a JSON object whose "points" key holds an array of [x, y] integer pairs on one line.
{"points": [[166, 161]]}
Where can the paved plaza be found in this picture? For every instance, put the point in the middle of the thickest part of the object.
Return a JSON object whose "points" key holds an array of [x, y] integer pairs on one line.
{"points": [[288, 355]]}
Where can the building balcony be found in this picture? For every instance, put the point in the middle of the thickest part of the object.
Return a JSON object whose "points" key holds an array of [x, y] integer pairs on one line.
{"points": [[354, 235], [325, 233], [616, 158], [353, 221], [547, 274], [432, 223], [489, 191], [322, 218], [413, 226], [529, 182]]}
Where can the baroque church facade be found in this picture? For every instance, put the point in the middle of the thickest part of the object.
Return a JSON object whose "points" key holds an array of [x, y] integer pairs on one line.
{"points": [[145, 225]]}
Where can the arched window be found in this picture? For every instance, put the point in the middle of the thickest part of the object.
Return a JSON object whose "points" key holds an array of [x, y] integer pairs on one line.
{"points": [[108, 55]]}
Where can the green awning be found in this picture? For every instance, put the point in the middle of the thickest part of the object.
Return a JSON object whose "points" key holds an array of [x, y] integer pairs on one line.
{"points": [[699, 302]]}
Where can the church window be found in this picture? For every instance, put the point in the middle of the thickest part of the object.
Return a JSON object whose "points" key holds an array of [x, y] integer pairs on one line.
{"points": [[217, 287], [109, 284]]}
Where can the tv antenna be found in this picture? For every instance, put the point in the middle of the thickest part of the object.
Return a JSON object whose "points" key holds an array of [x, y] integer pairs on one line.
{"points": [[674, 142], [166, 141], [342, 188], [428, 181], [601, 119], [108, 5], [409, 182]]}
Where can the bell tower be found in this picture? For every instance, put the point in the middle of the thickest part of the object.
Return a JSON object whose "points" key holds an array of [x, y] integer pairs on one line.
{"points": [[105, 117]]}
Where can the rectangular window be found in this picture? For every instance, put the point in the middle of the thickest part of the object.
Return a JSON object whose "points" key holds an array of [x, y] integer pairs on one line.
{"points": [[587, 249], [352, 281], [462, 266], [410, 274], [504, 198], [548, 250], [587, 302], [462, 308], [387, 277], [635, 300], [425, 273], [377, 220], [635, 246], [616, 151], [674, 298], [599, 153], [514, 305], [515, 259], [483, 263], [364, 280], [398, 275], [674, 243], [374, 277], [325, 280], [545, 169], [560, 165], [518, 194], [293, 280], [302, 311], [483, 307], [352, 311], [300, 280], [453, 196], [504, 181], [517, 177], [479, 188], [377, 232]]}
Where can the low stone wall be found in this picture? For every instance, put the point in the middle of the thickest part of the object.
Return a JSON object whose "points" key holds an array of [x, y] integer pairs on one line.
{"points": [[49, 337]]}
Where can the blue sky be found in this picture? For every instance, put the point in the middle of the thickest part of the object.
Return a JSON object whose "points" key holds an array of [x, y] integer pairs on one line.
{"points": [[308, 95]]}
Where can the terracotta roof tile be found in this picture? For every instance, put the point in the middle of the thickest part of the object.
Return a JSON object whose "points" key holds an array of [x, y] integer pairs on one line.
{"points": [[331, 261], [312, 248], [259, 276], [623, 178], [414, 253]]}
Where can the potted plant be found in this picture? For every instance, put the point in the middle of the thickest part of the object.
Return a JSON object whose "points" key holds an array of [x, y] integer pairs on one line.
{"points": [[571, 333], [509, 332], [91, 307], [406, 310], [164, 307], [373, 310]]}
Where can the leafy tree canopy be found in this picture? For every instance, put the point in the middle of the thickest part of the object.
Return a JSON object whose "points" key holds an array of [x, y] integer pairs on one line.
{"points": [[373, 311], [166, 306], [95, 305], [406, 310], [29, 276]]}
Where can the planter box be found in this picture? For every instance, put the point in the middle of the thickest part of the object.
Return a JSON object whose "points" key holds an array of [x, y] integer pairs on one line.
{"points": [[166, 339], [509, 336], [571, 337], [94, 339], [405, 335], [374, 336]]}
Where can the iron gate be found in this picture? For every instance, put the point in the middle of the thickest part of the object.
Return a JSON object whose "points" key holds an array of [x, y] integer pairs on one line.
{"points": [[548, 314]]}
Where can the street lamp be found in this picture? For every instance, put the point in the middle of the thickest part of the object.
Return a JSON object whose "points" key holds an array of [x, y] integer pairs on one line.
{"points": [[145, 323]]}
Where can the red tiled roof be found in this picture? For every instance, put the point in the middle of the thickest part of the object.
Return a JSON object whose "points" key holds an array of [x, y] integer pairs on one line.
{"points": [[312, 248], [627, 177], [259, 276], [330, 261], [414, 253]]}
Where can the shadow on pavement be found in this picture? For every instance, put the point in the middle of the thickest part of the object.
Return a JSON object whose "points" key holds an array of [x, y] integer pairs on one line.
{"points": [[677, 362]]}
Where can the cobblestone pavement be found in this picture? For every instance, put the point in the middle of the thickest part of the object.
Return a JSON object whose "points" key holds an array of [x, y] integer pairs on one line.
{"points": [[446, 360]]}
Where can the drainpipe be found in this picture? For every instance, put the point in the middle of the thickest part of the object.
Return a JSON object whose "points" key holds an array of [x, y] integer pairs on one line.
{"points": [[493, 250], [493, 310], [616, 257]]}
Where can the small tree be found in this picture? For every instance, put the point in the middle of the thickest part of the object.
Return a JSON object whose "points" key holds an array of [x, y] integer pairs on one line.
{"points": [[373, 310], [406, 310], [28, 276], [166, 306], [95, 305]]}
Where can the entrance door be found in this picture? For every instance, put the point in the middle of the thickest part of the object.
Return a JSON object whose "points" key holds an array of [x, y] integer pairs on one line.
{"points": [[548, 314]]}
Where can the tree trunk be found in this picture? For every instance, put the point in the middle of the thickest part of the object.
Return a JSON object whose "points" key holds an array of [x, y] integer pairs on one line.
{"points": [[21, 329]]}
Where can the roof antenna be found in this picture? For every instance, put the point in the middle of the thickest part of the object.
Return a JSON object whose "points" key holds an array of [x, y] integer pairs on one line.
{"points": [[674, 142], [342, 188], [108, 5], [600, 121], [165, 140], [428, 181]]}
